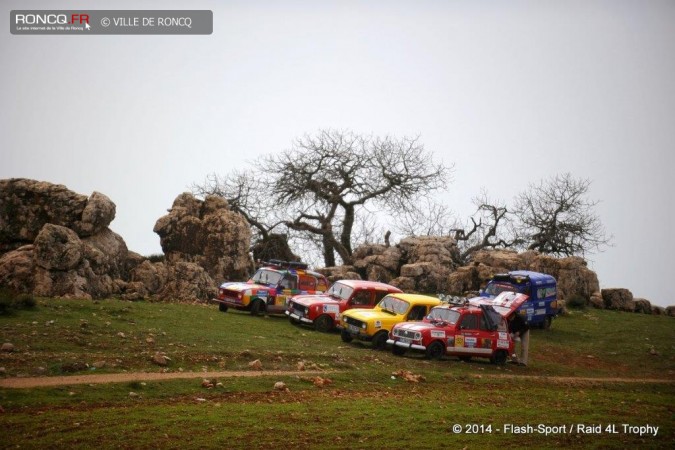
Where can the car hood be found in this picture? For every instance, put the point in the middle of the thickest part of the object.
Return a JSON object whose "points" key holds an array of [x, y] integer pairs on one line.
{"points": [[420, 326], [308, 300], [505, 303], [240, 287], [366, 315]]}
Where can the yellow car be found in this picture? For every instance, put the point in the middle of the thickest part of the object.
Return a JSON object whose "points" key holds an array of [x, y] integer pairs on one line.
{"points": [[375, 324]]}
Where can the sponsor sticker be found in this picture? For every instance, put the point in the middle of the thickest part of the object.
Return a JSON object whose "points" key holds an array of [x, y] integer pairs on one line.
{"points": [[378, 324], [502, 343], [331, 308], [470, 342], [459, 341], [487, 343], [438, 334], [540, 312], [503, 335]]}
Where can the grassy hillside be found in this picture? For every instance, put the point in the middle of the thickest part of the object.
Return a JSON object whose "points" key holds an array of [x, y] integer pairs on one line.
{"points": [[364, 407]]}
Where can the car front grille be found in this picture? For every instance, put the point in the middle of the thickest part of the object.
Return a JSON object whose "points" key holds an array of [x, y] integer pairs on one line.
{"points": [[351, 321], [398, 332], [298, 309]]}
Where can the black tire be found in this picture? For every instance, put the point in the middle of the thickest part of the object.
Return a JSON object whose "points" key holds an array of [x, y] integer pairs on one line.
{"points": [[465, 358], [257, 307], [499, 357], [346, 337], [222, 307], [435, 350], [398, 351], [380, 340], [546, 324], [323, 323]]}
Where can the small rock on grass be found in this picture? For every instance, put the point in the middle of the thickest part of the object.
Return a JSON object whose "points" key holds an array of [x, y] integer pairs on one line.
{"points": [[256, 365], [280, 386], [7, 347]]}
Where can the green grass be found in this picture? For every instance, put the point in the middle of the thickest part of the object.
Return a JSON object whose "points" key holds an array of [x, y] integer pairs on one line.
{"points": [[363, 407]]}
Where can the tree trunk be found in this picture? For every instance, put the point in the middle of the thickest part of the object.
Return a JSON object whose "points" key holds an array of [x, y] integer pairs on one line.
{"points": [[347, 226], [328, 251]]}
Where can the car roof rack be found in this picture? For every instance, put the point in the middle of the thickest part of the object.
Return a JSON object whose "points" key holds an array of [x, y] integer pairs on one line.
{"points": [[295, 265]]}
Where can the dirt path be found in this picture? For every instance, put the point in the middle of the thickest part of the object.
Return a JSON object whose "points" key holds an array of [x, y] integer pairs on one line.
{"points": [[23, 383]]}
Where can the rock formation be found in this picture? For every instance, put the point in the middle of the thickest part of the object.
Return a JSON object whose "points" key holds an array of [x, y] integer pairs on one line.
{"points": [[205, 243], [56, 243]]}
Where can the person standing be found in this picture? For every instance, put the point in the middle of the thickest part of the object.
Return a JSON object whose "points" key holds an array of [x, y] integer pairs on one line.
{"points": [[521, 333]]}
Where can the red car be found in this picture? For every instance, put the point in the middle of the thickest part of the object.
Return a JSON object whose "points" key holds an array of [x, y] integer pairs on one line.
{"points": [[323, 311], [463, 331]]}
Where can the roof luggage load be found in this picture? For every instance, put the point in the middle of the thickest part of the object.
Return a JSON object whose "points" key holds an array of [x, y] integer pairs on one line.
{"points": [[286, 264]]}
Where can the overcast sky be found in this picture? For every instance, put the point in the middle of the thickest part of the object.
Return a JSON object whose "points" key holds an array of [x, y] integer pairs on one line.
{"points": [[509, 92]]}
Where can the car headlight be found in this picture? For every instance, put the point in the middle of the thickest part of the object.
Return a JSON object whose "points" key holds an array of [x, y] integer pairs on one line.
{"points": [[364, 326]]}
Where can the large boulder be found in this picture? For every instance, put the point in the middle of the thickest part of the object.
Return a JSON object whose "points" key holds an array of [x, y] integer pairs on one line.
{"points": [[207, 233], [419, 264], [618, 298], [336, 273], [641, 305], [17, 268], [27, 205], [97, 215], [72, 252], [440, 250], [188, 282], [58, 248], [153, 276]]}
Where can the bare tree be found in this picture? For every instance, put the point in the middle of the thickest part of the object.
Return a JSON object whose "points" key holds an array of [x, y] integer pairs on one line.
{"points": [[489, 227], [247, 194], [324, 179], [426, 218], [556, 217]]}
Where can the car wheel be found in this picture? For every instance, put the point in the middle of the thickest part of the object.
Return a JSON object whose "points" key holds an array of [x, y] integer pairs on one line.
{"points": [[398, 351], [435, 350], [499, 357], [465, 358], [222, 307], [323, 323], [546, 324], [346, 336], [380, 340], [257, 307]]}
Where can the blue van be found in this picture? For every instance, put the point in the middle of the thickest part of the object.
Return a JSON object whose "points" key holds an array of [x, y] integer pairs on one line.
{"points": [[542, 306]]}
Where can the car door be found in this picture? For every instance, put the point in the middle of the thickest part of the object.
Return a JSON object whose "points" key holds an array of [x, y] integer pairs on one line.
{"points": [[469, 333]]}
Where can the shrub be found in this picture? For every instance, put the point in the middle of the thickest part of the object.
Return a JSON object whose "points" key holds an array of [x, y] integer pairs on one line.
{"points": [[577, 302], [10, 301], [157, 257]]}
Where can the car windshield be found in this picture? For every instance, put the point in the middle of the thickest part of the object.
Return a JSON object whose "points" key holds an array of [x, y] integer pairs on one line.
{"points": [[268, 277], [393, 304], [497, 288], [341, 291], [443, 314]]}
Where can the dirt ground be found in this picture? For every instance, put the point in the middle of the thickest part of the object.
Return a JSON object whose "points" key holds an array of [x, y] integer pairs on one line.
{"points": [[24, 383]]}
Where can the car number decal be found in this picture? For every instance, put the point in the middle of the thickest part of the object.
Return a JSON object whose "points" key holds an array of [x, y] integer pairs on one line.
{"points": [[331, 308], [438, 334]]}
